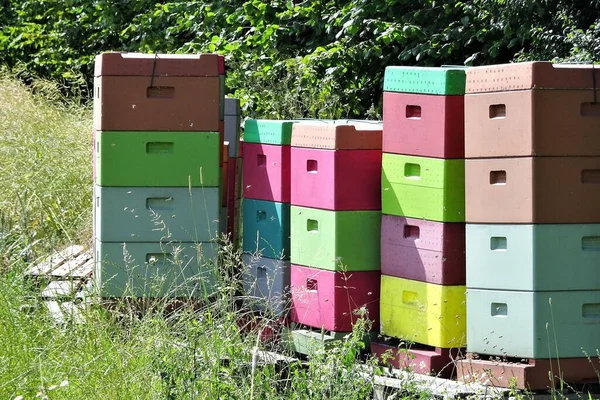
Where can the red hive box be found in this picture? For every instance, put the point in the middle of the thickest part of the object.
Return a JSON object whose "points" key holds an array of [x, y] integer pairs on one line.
{"points": [[336, 166], [515, 110], [544, 190], [266, 172], [327, 299], [143, 92], [422, 250], [423, 125]]}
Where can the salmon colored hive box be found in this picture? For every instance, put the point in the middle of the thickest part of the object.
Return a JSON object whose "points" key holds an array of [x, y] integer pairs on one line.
{"points": [[336, 179], [337, 135], [422, 250], [434, 315], [328, 300], [266, 172], [424, 125], [549, 190], [423, 187]]}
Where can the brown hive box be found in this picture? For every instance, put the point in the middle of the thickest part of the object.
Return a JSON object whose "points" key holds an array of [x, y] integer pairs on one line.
{"points": [[338, 135], [529, 190], [532, 123], [138, 92], [531, 75]]}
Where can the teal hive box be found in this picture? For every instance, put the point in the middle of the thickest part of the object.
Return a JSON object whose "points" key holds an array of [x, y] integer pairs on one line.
{"points": [[533, 257], [425, 80], [533, 324], [266, 131], [154, 214], [155, 269], [336, 240], [267, 228], [423, 187], [158, 159]]}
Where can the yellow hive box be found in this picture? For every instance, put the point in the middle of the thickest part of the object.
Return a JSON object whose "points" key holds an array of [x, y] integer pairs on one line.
{"points": [[434, 315]]}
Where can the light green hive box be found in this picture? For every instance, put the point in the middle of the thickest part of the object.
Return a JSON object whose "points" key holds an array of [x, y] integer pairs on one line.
{"points": [[425, 80], [266, 131], [533, 324], [154, 214], [158, 159], [533, 257], [423, 187], [155, 269], [308, 342], [335, 240]]}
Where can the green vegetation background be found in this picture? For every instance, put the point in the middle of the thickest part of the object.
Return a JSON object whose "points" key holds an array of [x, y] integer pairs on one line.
{"points": [[306, 58]]}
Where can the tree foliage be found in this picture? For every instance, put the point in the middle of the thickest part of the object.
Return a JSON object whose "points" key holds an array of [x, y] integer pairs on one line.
{"points": [[299, 58]]}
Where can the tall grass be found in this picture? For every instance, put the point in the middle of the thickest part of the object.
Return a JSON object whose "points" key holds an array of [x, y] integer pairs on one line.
{"points": [[45, 170]]}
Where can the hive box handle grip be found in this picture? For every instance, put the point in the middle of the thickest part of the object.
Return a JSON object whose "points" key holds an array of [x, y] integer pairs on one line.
{"points": [[409, 297], [312, 225], [499, 310], [497, 111], [412, 171], [261, 215], [312, 166], [590, 176], [590, 243], [159, 147], [261, 272], [411, 232], [590, 310], [159, 203], [160, 92], [590, 109], [261, 160], [311, 284], [413, 111], [497, 177], [158, 258]]}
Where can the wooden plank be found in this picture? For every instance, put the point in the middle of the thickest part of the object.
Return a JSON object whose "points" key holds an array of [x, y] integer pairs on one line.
{"points": [[61, 289], [83, 271], [55, 260], [64, 312], [65, 269]]}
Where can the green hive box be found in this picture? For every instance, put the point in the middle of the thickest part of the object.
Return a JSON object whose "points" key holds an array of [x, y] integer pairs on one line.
{"points": [[533, 324], [266, 131], [422, 187], [309, 341], [154, 214], [335, 240], [425, 80], [155, 269], [541, 257], [158, 159]]}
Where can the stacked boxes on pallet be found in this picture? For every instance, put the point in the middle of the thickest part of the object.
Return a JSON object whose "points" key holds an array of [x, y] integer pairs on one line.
{"points": [[533, 223], [266, 213], [335, 228], [423, 230], [157, 174]]}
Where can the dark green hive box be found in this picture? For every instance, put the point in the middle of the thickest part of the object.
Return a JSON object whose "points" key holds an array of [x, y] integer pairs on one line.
{"points": [[266, 131], [425, 80]]}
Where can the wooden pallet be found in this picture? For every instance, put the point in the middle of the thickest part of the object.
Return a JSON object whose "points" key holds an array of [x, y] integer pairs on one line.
{"points": [[65, 282]]}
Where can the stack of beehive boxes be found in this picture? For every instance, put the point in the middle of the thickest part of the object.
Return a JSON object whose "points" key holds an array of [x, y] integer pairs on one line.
{"points": [[533, 232], [232, 168], [266, 213], [157, 173], [335, 228], [423, 232]]}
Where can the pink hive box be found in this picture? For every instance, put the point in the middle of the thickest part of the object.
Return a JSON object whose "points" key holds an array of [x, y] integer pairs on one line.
{"points": [[336, 165], [327, 299], [422, 250], [424, 125], [266, 172]]}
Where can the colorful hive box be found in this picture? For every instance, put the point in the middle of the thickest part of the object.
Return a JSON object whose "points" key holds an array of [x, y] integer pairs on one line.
{"points": [[268, 132], [337, 135], [336, 179], [328, 299], [533, 324], [232, 125], [533, 257], [532, 123], [422, 250], [549, 190], [424, 125], [266, 283], [424, 188], [306, 341], [161, 92], [423, 312], [155, 269], [267, 228], [425, 80], [158, 159], [266, 172], [157, 214], [335, 240]]}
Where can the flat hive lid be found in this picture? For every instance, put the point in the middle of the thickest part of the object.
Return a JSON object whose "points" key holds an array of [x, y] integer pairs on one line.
{"points": [[141, 64], [338, 135], [425, 80], [531, 75]]}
